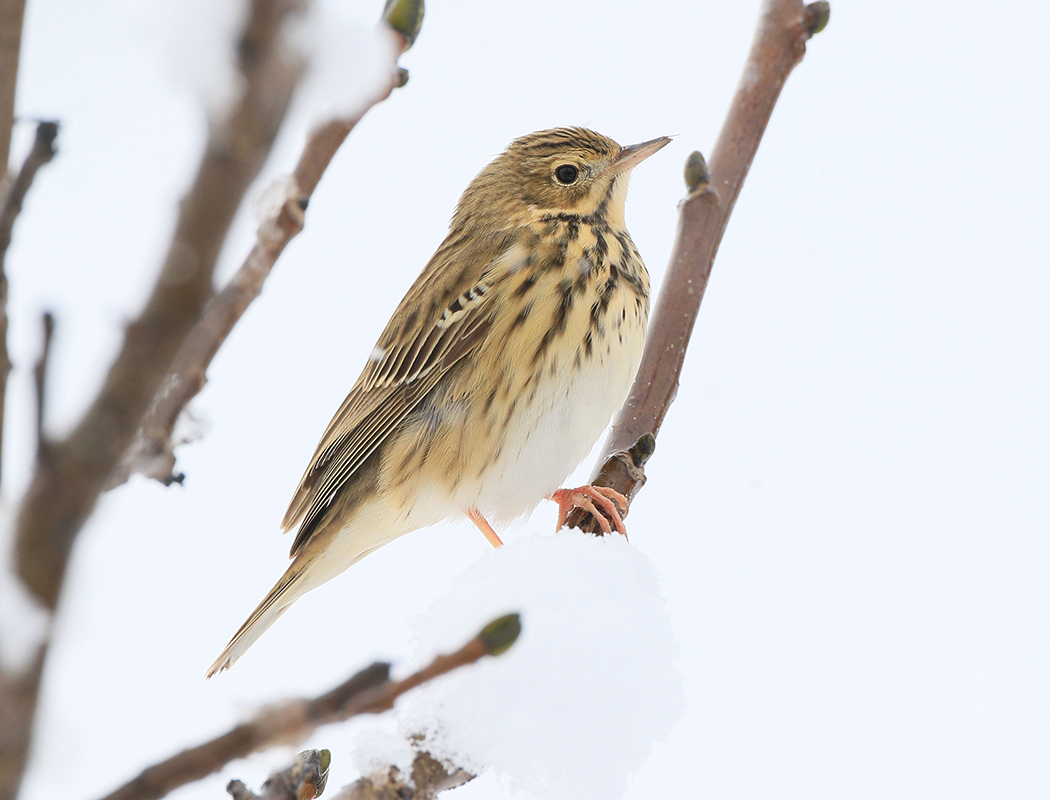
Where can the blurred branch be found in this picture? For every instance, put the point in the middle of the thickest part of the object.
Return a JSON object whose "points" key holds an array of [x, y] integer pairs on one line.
{"points": [[67, 483], [152, 453], [12, 12], [370, 691], [42, 152], [40, 382], [778, 47]]}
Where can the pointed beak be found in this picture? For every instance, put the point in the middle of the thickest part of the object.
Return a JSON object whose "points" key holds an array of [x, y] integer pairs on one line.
{"points": [[632, 155]]}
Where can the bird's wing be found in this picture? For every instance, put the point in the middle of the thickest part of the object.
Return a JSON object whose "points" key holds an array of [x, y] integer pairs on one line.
{"points": [[445, 315]]}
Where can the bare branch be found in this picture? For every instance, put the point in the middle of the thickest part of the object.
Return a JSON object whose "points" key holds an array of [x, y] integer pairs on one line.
{"points": [[370, 691], [12, 12], [42, 152], [40, 382], [779, 45], [66, 484], [152, 453]]}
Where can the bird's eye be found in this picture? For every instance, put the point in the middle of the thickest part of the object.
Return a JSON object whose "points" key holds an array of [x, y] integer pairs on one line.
{"points": [[566, 174]]}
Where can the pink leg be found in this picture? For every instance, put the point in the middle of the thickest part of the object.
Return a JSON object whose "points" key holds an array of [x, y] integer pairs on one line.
{"points": [[590, 499], [484, 527]]}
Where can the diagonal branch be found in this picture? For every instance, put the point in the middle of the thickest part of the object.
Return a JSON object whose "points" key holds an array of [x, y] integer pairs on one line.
{"points": [[370, 691], [779, 45], [152, 452], [64, 490]]}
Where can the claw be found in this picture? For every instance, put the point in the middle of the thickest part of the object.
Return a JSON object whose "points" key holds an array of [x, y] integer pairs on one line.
{"points": [[590, 499]]}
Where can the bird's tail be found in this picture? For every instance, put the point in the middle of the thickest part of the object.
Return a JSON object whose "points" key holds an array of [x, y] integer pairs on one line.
{"points": [[288, 589]]}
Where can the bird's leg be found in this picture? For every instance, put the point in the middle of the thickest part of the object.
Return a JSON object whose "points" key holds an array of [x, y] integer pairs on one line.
{"points": [[590, 498], [484, 527]]}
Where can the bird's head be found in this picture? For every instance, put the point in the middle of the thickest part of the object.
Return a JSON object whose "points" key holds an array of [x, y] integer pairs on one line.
{"points": [[558, 171]]}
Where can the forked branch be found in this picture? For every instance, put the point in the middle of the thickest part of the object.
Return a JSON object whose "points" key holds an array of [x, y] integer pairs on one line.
{"points": [[66, 484], [153, 451]]}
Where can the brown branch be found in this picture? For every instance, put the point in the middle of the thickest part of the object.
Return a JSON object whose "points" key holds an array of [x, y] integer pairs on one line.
{"points": [[66, 485], [12, 13], [370, 691], [152, 453], [42, 152], [779, 45], [426, 779], [40, 382], [303, 779]]}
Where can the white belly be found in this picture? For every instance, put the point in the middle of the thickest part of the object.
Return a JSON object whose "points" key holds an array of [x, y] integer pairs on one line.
{"points": [[548, 438]]}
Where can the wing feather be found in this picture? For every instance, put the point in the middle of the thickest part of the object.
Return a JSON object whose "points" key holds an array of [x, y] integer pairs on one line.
{"points": [[415, 351]]}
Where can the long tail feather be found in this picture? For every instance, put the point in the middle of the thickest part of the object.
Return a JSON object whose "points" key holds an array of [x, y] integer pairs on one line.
{"points": [[273, 605]]}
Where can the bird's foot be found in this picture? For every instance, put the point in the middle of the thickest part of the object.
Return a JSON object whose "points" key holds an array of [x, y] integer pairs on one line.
{"points": [[591, 499]]}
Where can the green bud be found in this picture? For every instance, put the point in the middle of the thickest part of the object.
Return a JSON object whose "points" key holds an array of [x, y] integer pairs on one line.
{"points": [[819, 15], [500, 634], [696, 174], [405, 17]]}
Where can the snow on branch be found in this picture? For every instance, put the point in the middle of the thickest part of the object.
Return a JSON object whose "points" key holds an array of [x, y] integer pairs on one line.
{"points": [[303, 779], [778, 47], [152, 453], [370, 691]]}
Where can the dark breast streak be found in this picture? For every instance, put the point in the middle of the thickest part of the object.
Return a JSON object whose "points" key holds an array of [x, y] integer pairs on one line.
{"points": [[594, 265]]}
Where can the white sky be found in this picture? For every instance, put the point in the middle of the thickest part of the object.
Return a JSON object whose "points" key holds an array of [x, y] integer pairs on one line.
{"points": [[847, 509]]}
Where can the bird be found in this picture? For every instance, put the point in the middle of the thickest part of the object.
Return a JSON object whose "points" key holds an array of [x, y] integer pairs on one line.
{"points": [[496, 374]]}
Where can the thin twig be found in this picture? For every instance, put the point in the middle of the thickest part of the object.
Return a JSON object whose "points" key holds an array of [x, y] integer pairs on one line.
{"points": [[370, 691], [42, 152], [779, 45], [66, 485], [152, 453], [40, 382]]}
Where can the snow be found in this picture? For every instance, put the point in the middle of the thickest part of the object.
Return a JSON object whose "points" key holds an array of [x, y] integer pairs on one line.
{"points": [[269, 202], [348, 57], [573, 708], [859, 591], [376, 746], [196, 40]]}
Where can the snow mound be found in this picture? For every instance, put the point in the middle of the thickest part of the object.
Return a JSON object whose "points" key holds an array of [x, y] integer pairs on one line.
{"points": [[571, 710]]}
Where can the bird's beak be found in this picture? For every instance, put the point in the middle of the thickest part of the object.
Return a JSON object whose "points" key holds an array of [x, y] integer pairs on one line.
{"points": [[634, 154]]}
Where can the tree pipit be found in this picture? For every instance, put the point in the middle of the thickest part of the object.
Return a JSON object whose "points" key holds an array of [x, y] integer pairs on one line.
{"points": [[496, 374]]}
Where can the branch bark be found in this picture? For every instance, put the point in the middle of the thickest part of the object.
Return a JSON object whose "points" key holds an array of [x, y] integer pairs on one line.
{"points": [[12, 13], [42, 152], [779, 45], [153, 450], [427, 778], [40, 382], [303, 779], [370, 691], [67, 482]]}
